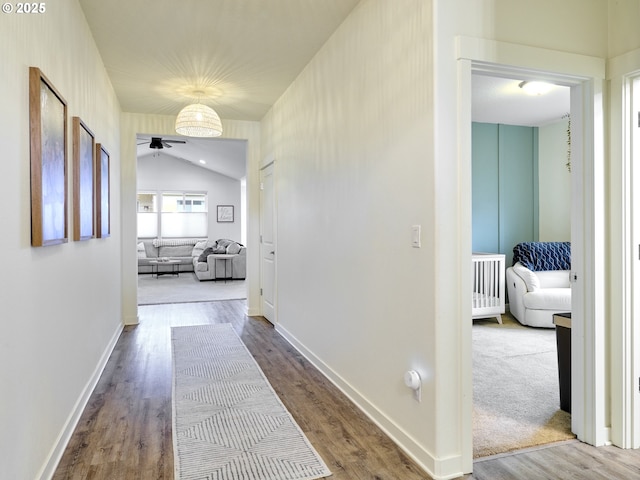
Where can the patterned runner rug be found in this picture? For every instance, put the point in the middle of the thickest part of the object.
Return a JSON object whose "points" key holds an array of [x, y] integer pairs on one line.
{"points": [[228, 423]]}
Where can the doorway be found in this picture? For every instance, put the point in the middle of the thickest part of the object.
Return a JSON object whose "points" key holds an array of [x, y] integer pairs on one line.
{"points": [[588, 339], [190, 194], [521, 192]]}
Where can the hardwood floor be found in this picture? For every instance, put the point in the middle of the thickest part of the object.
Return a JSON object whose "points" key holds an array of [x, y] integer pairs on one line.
{"points": [[125, 430]]}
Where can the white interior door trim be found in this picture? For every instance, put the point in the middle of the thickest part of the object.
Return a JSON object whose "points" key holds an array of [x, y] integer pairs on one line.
{"points": [[585, 76]]}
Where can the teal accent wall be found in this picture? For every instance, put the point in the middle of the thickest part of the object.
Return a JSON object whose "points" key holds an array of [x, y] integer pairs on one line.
{"points": [[505, 187]]}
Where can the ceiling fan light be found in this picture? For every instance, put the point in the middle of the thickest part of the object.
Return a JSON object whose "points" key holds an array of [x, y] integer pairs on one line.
{"points": [[198, 120], [535, 88], [156, 143]]}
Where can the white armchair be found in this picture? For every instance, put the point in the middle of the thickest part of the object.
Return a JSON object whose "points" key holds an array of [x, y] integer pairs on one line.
{"points": [[539, 283]]}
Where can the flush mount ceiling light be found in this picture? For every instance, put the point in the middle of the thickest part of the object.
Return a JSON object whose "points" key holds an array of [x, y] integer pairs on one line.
{"points": [[535, 88], [198, 120]]}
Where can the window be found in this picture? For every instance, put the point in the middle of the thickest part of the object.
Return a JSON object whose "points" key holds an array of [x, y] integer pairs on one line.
{"points": [[182, 214], [147, 215]]}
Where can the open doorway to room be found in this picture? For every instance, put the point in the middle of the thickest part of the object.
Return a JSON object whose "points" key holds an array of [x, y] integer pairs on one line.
{"points": [[191, 221], [521, 192]]}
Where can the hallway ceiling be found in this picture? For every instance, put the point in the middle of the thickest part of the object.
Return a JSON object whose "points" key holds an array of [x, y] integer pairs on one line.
{"points": [[242, 54]]}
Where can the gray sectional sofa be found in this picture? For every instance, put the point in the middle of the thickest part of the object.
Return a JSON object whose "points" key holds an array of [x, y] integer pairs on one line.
{"points": [[195, 255]]}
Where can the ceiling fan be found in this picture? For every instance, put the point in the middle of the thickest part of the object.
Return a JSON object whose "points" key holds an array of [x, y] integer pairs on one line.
{"points": [[159, 143]]}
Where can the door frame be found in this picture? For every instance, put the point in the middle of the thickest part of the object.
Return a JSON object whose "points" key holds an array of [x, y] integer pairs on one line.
{"points": [[585, 76], [625, 287]]}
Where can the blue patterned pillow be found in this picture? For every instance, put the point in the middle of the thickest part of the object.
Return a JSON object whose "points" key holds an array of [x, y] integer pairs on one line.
{"points": [[541, 256]]}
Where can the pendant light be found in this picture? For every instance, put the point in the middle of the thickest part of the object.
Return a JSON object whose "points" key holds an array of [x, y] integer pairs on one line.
{"points": [[198, 120]]}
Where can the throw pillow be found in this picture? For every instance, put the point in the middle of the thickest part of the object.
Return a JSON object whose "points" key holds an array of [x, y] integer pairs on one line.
{"points": [[203, 256], [198, 248], [233, 248], [142, 253]]}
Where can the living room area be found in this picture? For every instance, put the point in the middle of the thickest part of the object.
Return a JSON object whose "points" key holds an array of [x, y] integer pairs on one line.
{"points": [[191, 223]]}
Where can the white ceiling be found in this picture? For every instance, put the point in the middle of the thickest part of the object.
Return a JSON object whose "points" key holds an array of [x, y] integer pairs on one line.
{"points": [[501, 100], [244, 54]]}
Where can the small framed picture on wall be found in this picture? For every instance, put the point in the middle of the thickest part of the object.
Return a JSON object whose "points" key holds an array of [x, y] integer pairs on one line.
{"points": [[225, 213]]}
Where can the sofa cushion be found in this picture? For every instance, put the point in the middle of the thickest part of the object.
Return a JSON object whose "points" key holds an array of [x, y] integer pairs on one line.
{"points": [[554, 279], [548, 299], [201, 266], [175, 251], [540, 256], [142, 253]]}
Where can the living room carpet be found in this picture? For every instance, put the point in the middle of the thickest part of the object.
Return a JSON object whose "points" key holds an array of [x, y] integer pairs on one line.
{"points": [[516, 395], [228, 422], [187, 288]]}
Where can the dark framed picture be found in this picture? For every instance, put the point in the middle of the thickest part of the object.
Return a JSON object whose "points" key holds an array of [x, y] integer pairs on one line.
{"points": [[83, 180], [103, 206], [48, 127], [225, 213]]}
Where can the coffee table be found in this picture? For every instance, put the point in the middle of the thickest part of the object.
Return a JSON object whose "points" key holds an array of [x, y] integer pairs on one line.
{"points": [[175, 267]]}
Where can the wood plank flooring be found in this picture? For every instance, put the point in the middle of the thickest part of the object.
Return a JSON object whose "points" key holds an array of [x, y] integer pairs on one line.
{"points": [[125, 430]]}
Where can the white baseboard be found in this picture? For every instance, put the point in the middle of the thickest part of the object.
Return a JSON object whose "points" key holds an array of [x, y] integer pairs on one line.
{"points": [[49, 467], [438, 469]]}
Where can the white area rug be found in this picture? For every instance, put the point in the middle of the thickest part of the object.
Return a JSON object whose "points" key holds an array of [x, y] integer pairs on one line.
{"points": [[228, 423], [187, 288]]}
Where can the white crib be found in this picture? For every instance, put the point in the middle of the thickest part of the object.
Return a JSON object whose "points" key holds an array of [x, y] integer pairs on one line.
{"points": [[488, 285]]}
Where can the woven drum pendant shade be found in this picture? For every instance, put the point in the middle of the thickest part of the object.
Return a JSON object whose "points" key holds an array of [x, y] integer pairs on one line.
{"points": [[198, 120]]}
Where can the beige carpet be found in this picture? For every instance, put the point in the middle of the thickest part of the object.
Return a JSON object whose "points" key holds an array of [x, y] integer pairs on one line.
{"points": [[187, 288], [516, 394]]}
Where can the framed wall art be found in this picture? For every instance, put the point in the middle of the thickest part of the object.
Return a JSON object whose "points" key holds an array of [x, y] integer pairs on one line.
{"points": [[83, 180], [225, 213], [48, 130], [103, 191]]}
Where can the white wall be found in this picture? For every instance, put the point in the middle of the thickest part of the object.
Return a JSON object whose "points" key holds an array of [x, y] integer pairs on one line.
{"points": [[365, 149], [166, 173], [554, 183], [352, 141], [59, 305]]}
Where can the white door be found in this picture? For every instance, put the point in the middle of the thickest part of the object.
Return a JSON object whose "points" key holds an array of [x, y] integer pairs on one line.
{"points": [[267, 243]]}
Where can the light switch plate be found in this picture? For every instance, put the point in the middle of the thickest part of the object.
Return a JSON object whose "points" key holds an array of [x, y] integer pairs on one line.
{"points": [[415, 236]]}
